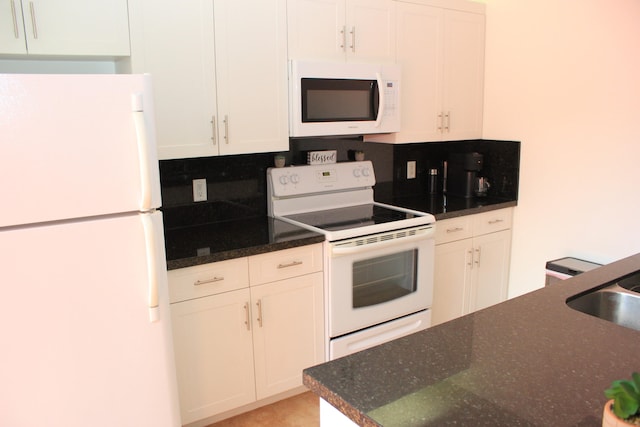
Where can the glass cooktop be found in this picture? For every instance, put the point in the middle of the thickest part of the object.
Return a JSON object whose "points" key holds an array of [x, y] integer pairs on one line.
{"points": [[350, 217]]}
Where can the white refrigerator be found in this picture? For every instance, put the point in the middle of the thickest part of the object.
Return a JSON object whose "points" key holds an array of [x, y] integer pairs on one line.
{"points": [[85, 330]]}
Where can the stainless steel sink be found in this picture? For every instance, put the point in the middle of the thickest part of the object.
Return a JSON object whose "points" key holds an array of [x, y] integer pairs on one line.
{"points": [[613, 303], [631, 283]]}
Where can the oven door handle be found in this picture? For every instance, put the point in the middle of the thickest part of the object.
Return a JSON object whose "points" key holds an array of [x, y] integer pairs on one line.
{"points": [[335, 250]]}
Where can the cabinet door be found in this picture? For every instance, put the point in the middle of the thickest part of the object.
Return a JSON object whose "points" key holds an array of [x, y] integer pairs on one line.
{"points": [[251, 75], [12, 39], [77, 27], [288, 331], [175, 45], [463, 74], [419, 53], [452, 280], [370, 31], [317, 29], [491, 265], [213, 351]]}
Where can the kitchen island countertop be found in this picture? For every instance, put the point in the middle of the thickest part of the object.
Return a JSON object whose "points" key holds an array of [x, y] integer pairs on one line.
{"points": [[529, 361]]}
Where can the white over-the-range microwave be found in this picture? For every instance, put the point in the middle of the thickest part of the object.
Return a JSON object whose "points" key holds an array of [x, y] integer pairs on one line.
{"points": [[336, 98]]}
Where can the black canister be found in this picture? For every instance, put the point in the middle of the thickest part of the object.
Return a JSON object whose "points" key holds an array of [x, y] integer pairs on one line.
{"points": [[432, 181]]}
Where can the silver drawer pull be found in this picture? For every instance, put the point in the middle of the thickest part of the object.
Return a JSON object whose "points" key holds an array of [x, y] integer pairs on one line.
{"points": [[204, 282], [454, 230], [291, 264], [496, 221]]}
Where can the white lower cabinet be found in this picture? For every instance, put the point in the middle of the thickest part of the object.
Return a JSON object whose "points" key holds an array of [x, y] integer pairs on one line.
{"points": [[239, 340], [471, 264], [287, 332], [214, 354]]}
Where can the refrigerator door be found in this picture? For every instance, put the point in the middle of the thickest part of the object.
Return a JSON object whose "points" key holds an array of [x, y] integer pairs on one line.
{"points": [[78, 348], [76, 146]]}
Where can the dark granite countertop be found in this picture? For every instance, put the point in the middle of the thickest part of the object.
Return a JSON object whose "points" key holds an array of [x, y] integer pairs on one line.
{"points": [[189, 245], [444, 207], [205, 243], [529, 361]]}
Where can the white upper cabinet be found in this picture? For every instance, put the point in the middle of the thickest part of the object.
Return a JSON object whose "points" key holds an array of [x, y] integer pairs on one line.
{"points": [[463, 77], [339, 30], [441, 52], [251, 74], [64, 27], [219, 73]]}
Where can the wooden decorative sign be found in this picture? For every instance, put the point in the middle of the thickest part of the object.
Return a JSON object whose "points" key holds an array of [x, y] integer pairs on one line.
{"points": [[322, 157]]}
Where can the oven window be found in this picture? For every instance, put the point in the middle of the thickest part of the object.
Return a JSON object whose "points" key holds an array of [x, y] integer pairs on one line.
{"points": [[385, 278]]}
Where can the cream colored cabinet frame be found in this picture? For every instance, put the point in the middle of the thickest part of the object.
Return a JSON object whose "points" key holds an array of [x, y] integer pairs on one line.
{"points": [[472, 259], [219, 73], [441, 52], [244, 329], [65, 28], [342, 30]]}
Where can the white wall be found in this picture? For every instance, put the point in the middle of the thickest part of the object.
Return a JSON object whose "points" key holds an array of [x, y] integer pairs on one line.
{"points": [[563, 77]]}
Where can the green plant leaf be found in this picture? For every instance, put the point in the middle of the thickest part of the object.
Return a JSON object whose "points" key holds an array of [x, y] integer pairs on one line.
{"points": [[636, 380], [624, 406]]}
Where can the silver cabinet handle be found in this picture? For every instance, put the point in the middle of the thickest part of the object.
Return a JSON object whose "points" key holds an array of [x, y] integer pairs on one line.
{"points": [[447, 116], [204, 282], [343, 34], [496, 221], [353, 39], [16, 34], [477, 260], [247, 321], [470, 259], [440, 123], [226, 129], [291, 264], [32, 11], [213, 129], [454, 230], [259, 319]]}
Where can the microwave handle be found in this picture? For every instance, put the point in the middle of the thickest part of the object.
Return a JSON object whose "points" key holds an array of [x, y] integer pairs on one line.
{"points": [[381, 100]]}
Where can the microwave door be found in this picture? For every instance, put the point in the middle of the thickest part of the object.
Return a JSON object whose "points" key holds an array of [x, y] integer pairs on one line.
{"points": [[381, 99]]}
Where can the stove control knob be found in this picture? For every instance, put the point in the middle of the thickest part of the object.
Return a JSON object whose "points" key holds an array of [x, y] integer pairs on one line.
{"points": [[295, 179], [357, 173], [284, 180], [366, 172]]}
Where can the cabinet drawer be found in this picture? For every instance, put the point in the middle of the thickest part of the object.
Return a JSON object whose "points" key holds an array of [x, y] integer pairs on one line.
{"points": [[449, 230], [492, 221], [209, 279], [284, 264]]}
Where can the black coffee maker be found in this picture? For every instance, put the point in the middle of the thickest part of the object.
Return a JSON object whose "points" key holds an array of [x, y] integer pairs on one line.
{"points": [[462, 173]]}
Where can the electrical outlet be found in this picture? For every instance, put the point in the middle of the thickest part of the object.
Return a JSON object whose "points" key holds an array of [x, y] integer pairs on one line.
{"points": [[411, 169], [199, 190]]}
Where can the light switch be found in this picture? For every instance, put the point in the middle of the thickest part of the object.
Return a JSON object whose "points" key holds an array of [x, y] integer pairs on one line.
{"points": [[199, 190], [411, 169]]}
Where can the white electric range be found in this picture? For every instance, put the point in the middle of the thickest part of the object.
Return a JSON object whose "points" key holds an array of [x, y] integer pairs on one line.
{"points": [[378, 258]]}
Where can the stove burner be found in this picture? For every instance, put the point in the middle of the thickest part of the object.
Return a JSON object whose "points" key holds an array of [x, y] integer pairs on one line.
{"points": [[350, 217]]}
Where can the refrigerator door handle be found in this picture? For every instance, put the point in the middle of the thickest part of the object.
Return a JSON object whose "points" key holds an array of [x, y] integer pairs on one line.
{"points": [[152, 267], [142, 136]]}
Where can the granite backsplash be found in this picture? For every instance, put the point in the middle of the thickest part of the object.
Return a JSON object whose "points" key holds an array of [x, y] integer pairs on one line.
{"points": [[236, 185]]}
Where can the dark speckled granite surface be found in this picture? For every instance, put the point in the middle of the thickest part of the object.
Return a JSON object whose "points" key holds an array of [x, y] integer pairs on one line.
{"points": [[530, 361], [202, 244]]}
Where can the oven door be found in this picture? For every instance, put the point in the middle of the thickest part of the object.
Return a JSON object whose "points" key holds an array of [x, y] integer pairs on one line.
{"points": [[374, 279]]}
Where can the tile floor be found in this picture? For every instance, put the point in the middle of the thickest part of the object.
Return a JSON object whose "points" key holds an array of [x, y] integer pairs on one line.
{"points": [[302, 410]]}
